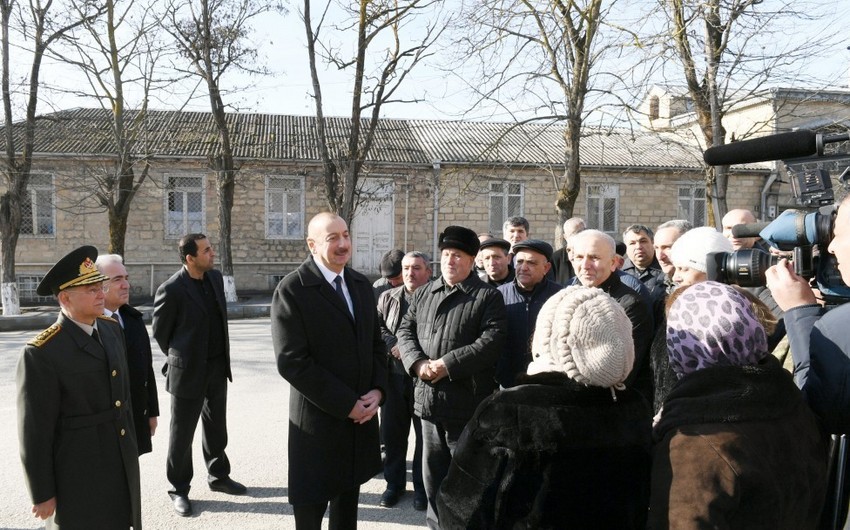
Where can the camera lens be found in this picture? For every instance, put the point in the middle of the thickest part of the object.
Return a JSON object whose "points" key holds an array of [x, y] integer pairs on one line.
{"points": [[742, 267]]}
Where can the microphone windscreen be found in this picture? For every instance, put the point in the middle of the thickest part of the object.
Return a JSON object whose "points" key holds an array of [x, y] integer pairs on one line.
{"points": [[777, 146], [748, 229]]}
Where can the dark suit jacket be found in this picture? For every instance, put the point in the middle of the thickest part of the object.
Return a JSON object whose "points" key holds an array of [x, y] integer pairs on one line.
{"points": [[330, 360], [181, 328], [142, 379], [75, 428]]}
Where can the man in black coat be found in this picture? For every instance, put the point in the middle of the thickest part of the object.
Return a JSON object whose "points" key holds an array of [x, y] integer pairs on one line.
{"points": [[77, 441], [562, 270], [328, 347], [190, 326], [397, 410], [450, 339], [593, 254], [139, 357]]}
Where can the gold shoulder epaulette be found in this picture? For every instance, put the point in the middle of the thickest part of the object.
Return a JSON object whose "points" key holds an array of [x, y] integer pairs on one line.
{"points": [[42, 338], [104, 317]]}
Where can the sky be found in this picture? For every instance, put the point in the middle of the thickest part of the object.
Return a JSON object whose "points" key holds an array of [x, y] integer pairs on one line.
{"points": [[439, 84]]}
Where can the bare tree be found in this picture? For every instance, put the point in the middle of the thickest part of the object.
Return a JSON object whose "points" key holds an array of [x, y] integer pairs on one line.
{"points": [[382, 60], [117, 53], [40, 24], [538, 62], [213, 36], [729, 50]]}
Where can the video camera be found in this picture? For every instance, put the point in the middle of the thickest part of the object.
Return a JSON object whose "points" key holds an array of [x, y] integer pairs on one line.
{"points": [[806, 233]]}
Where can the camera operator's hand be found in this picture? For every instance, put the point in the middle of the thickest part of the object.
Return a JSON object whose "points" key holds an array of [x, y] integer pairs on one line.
{"points": [[787, 287]]}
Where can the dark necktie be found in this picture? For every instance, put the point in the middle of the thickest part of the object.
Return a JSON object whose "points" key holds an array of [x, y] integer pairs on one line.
{"points": [[95, 335], [338, 287]]}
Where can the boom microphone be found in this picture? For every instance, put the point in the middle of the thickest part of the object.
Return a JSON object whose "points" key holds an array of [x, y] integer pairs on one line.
{"points": [[784, 145], [748, 229]]}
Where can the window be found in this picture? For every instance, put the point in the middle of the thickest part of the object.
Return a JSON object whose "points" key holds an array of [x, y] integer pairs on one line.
{"points": [[184, 206], [37, 214], [284, 208], [603, 203], [505, 201], [27, 286], [692, 204], [653, 107]]}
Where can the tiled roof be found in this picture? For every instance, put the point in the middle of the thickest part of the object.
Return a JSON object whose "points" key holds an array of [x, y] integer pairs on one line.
{"points": [[412, 142]]}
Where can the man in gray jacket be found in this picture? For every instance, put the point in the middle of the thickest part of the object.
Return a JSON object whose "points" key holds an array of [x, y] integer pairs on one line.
{"points": [[450, 339]]}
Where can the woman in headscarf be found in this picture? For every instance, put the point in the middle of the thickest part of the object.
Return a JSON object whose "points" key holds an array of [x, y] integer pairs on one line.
{"points": [[570, 446], [735, 444]]}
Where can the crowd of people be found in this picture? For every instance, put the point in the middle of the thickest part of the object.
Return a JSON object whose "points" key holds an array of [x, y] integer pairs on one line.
{"points": [[600, 385]]}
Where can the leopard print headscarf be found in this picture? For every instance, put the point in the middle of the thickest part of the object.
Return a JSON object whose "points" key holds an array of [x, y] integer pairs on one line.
{"points": [[712, 324]]}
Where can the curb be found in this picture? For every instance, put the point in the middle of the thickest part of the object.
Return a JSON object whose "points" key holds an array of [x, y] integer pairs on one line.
{"points": [[44, 318]]}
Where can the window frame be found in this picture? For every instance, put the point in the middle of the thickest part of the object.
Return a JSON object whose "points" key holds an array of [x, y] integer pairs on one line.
{"points": [[691, 188], [32, 197], [606, 191], [267, 213], [495, 226], [187, 227]]}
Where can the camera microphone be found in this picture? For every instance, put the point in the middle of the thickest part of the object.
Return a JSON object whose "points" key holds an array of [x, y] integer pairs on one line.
{"points": [[748, 229], [775, 147]]}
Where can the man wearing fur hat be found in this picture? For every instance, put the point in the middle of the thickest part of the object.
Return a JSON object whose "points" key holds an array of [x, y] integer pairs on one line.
{"points": [[594, 254], [450, 339], [523, 299], [75, 426]]}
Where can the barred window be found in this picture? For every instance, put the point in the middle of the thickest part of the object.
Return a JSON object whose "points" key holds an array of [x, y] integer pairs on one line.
{"points": [[38, 216], [27, 286], [284, 207], [692, 204], [603, 203], [506, 200], [185, 206]]}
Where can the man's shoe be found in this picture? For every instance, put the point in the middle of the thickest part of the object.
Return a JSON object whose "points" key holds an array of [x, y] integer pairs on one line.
{"points": [[389, 498], [228, 485], [182, 505], [420, 502]]}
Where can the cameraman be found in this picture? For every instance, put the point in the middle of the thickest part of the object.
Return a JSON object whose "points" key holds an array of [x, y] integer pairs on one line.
{"points": [[820, 340]]}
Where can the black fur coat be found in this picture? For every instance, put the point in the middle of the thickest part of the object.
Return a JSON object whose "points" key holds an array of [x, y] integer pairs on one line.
{"points": [[551, 453]]}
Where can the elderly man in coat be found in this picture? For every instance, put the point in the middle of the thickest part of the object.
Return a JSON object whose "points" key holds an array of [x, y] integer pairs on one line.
{"points": [[329, 348], [77, 441]]}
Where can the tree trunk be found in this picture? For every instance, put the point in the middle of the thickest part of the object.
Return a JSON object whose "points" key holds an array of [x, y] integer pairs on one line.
{"points": [[10, 222]]}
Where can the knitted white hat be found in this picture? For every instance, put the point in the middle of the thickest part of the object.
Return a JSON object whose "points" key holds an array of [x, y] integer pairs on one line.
{"points": [[584, 333], [693, 247]]}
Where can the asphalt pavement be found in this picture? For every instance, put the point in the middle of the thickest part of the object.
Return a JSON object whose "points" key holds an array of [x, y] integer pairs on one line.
{"points": [[257, 426]]}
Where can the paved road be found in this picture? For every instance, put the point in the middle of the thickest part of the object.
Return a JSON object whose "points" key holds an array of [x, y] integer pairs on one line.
{"points": [[257, 417]]}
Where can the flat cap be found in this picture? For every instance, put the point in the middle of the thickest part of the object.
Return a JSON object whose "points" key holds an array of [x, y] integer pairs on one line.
{"points": [[76, 268], [496, 242], [391, 263], [537, 245], [460, 238]]}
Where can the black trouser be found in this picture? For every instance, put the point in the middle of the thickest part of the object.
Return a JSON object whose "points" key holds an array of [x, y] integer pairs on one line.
{"points": [[211, 408], [396, 416], [343, 512], [439, 442]]}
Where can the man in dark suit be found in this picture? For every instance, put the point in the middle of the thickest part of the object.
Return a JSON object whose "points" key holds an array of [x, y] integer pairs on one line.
{"points": [[77, 441], [329, 348], [139, 357], [190, 326]]}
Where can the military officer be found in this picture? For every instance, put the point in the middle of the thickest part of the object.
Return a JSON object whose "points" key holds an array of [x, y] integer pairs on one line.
{"points": [[75, 428]]}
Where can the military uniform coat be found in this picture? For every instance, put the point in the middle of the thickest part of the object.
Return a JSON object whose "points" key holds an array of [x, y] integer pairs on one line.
{"points": [[181, 328], [75, 427], [142, 378], [330, 360]]}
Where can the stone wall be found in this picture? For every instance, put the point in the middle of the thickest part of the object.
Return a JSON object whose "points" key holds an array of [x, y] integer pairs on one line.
{"points": [[647, 197]]}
